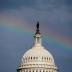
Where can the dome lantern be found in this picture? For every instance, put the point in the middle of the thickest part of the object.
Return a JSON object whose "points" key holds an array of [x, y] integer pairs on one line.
{"points": [[37, 36]]}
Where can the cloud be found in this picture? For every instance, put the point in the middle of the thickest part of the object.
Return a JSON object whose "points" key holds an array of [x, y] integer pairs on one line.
{"points": [[10, 4], [39, 4]]}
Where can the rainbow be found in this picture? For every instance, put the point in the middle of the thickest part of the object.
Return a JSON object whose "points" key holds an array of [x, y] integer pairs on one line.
{"points": [[17, 25]]}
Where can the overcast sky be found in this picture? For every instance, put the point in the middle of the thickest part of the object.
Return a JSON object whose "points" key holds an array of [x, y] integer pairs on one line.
{"points": [[17, 27]]}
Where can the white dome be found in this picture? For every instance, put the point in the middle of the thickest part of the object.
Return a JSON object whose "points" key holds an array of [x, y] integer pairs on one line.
{"points": [[37, 57]]}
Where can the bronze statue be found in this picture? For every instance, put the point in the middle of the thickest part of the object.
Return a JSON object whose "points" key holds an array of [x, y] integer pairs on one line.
{"points": [[37, 25], [37, 30]]}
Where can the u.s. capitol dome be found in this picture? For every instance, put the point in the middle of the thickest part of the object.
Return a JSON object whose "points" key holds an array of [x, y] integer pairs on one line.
{"points": [[37, 59]]}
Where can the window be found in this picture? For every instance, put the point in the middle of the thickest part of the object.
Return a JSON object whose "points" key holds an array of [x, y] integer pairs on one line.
{"points": [[40, 70], [36, 71], [42, 57], [22, 65], [29, 71], [31, 57], [33, 70], [47, 58], [46, 71], [36, 57]]}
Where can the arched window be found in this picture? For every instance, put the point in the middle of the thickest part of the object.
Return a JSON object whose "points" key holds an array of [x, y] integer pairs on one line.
{"points": [[47, 58], [46, 71], [42, 57], [43, 70], [40, 70], [36, 57], [31, 57], [36, 71]]}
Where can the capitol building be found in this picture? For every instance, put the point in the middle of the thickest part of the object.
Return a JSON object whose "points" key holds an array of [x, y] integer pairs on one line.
{"points": [[37, 59]]}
